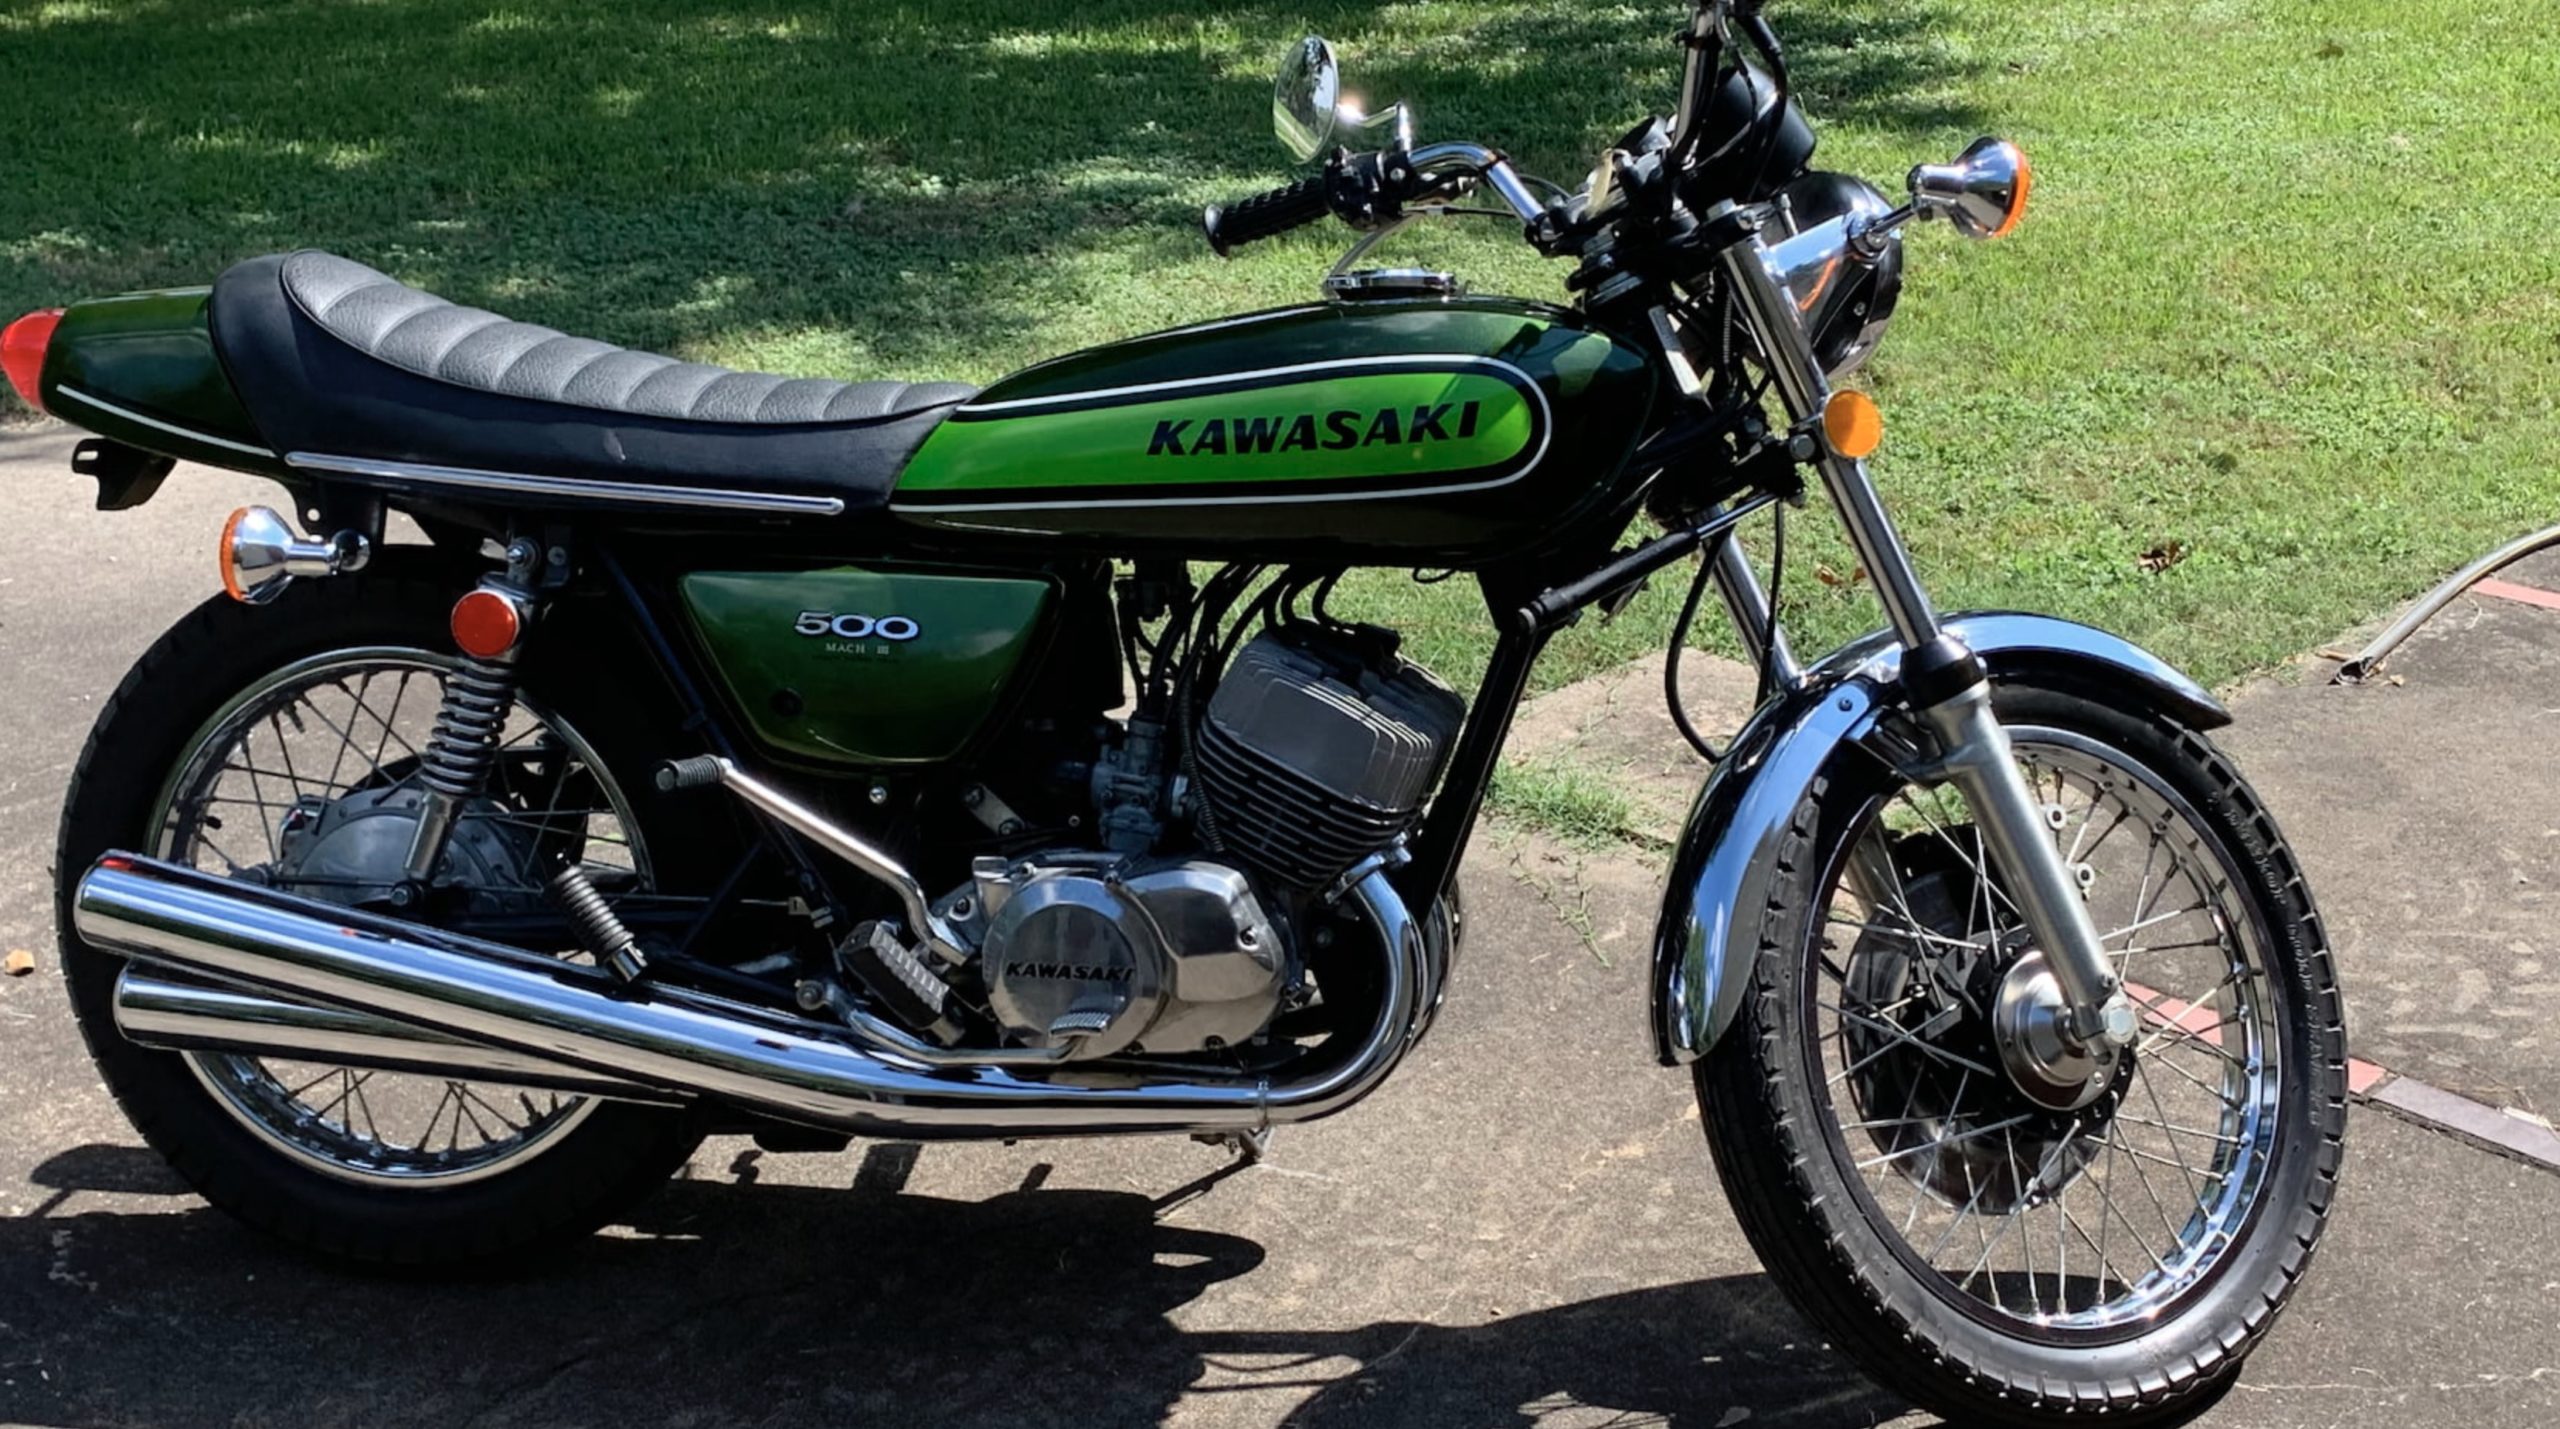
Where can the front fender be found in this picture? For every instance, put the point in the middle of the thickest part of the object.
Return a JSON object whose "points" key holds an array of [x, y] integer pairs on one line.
{"points": [[1728, 850]]}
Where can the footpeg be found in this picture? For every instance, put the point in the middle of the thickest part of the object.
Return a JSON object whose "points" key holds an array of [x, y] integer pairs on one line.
{"points": [[891, 972], [700, 772]]}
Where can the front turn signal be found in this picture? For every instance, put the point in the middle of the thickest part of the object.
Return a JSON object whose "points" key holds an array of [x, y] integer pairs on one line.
{"points": [[1983, 193], [22, 348], [1853, 424]]}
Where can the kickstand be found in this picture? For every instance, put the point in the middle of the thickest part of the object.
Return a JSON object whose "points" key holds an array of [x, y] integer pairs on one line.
{"points": [[1249, 1146]]}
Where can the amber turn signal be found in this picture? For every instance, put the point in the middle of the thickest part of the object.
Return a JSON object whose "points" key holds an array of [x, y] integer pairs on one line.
{"points": [[1852, 424], [259, 555]]}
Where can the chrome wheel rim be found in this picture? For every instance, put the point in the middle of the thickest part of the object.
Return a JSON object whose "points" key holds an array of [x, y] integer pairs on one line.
{"points": [[2111, 1215], [354, 720]]}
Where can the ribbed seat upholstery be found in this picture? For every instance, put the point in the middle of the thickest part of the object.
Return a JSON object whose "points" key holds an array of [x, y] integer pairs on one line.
{"points": [[336, 359]]}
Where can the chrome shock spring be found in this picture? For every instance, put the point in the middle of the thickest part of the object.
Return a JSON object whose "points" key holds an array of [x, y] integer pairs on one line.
{"points": [[477, 700]]}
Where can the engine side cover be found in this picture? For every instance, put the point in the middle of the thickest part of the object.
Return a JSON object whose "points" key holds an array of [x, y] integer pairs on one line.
{"points": [[1172, 959], [1066, 949]]}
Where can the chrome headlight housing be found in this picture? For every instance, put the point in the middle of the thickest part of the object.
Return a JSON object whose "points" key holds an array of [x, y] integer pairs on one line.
{"points": [[1825, 246]]}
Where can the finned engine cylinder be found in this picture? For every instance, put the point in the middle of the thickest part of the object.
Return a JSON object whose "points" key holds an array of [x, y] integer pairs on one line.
{"points": [[1320, 746]]}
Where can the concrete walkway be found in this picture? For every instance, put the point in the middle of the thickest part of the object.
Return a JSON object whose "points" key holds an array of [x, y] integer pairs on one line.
{"points": [[1521, 1228]]}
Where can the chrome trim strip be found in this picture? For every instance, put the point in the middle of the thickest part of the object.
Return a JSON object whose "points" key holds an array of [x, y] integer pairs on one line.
{"points": [[574, 487], [130, 415], [1526, 463], [1462, 359]]}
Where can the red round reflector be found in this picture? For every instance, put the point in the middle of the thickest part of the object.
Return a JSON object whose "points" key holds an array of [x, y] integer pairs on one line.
{"points": [[22, 346], [486, 625]]}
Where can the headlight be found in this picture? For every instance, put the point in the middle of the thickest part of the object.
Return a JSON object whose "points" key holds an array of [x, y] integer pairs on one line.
{"points": [[1843, 296]]}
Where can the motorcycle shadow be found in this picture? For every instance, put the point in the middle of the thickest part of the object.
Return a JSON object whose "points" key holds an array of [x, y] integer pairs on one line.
{"points": [[720, 1304]]}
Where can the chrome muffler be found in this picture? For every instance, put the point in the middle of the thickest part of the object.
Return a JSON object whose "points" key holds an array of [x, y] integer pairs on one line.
{"points": [[485, 995], [173, 1016]]}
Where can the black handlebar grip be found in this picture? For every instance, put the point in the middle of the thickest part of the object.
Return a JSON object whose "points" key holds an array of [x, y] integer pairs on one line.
{"points": [[1264, 215]]}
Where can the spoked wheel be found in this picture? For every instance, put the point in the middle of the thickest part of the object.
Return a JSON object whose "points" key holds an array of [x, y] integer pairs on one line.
{"points": [[281, 746], [308, 781], [1997, 1227]]}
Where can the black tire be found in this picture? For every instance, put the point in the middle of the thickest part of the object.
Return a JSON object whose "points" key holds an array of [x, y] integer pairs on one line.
{"points": [[590, 1174], [1778, 1147]]}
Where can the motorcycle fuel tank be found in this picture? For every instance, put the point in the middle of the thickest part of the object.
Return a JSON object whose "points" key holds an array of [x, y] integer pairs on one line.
{"points": [[1457, 431], [866, 665]]}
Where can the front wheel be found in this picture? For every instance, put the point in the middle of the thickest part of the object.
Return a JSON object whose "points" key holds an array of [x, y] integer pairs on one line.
{"points": [[1917, 1191]]}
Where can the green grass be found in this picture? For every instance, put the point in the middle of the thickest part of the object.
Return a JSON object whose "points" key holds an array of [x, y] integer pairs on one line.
{"points": [[1567, 801], [2287, 297]]}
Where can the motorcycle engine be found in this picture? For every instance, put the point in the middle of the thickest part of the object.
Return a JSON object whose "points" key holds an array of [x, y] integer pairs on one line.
{"points": [[1318, 747]]}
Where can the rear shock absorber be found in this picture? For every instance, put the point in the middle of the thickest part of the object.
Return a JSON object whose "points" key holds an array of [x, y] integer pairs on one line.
{"points": [[488, 626]]}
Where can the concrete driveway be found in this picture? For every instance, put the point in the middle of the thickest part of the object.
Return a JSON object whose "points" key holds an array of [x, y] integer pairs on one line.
{"points": [[1522, 1228]]}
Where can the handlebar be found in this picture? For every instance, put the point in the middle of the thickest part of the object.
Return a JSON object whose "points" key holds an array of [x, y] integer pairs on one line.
{"points": [[1367, 191]]}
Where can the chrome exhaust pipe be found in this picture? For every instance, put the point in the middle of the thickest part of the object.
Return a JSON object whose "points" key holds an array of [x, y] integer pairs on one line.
{"points": [[160, 1012], [680, 1041]]}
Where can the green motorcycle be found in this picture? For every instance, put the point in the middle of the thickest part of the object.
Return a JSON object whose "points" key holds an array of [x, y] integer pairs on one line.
{"points": [[812, 759]]}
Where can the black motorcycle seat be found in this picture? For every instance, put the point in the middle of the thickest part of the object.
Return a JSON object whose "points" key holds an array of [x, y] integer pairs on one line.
{"points": [[339, 363]]}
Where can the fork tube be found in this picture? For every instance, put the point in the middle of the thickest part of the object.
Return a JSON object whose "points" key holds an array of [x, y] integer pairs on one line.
{"points": [[1802, 387], [1957, 700]]}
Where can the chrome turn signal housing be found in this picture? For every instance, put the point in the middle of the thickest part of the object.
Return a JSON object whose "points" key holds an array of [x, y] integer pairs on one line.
{"points": [[1983, 193], [260, 555]]}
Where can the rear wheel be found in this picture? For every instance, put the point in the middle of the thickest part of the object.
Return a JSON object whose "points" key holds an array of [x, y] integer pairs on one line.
{"points": [[1978, 1241], [279, 745]]}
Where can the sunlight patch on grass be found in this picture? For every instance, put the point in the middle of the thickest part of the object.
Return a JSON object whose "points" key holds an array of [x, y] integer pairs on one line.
{"points": [[1562, 801]]}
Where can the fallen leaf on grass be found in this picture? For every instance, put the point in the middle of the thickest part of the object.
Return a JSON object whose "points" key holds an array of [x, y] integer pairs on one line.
{"points": [[1830, 577], [19, 963], [2161, 557]]}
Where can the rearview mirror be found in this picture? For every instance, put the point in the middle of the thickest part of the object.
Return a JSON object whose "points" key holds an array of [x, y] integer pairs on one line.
{"points": [[1308, 107], [1304, 100]]}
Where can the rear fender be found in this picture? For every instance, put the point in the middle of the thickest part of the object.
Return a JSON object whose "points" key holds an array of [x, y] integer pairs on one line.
{"points": [[1728, 849], [141, 370]]}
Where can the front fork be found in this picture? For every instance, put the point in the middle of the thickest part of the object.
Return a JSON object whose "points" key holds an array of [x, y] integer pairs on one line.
{"points": [[1946, 683]]}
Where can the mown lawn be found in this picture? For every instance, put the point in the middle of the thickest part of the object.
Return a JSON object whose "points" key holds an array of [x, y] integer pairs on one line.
{"points": [[2287, 306]]}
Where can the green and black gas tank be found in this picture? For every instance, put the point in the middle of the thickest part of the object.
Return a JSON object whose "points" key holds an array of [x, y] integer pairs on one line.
{"points": [[1456, 431]]}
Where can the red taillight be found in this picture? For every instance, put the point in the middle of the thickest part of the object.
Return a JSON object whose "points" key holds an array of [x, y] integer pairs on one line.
{"points": [[22, 346]]}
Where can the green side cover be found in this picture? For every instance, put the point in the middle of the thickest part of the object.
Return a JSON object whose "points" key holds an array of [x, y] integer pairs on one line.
{"points": [[865, 666], [150, 355]]}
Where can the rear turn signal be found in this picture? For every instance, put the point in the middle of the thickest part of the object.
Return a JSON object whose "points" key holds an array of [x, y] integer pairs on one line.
{"points": [[486, 624], [260, 555], [22, 346]]}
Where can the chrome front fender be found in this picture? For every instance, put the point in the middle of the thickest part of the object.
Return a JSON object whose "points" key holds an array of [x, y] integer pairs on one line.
{"points": [[1703, 944]]}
